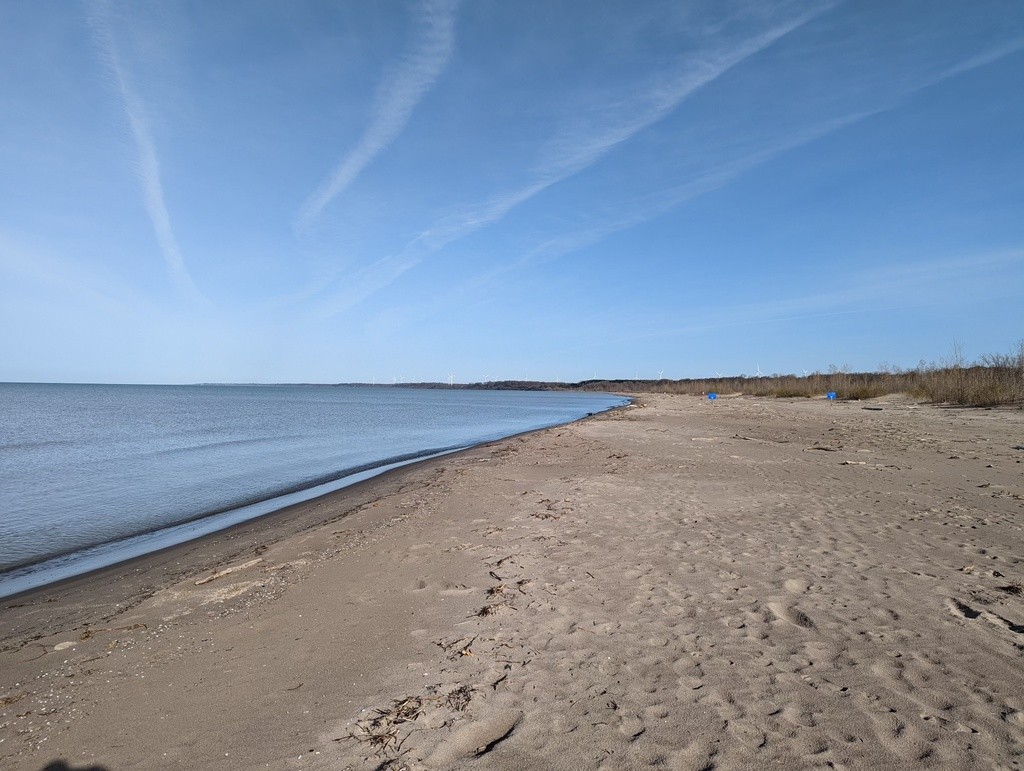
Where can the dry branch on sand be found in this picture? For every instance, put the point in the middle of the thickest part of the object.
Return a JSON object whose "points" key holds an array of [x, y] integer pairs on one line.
{"points": [[387, 730]]}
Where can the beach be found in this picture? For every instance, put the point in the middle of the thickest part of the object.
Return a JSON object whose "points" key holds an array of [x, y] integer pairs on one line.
{"points": [[686, 584]]}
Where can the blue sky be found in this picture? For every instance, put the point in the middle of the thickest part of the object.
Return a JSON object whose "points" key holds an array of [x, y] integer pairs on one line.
{"points": [[337, 191]]}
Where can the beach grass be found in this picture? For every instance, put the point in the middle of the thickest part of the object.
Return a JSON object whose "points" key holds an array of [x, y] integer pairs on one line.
{"points": [[992, 380]]}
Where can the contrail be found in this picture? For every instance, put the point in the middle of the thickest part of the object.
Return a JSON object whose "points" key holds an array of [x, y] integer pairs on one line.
{"points": [[395, 101], [569, 155], [147, 162], [575, 152]]}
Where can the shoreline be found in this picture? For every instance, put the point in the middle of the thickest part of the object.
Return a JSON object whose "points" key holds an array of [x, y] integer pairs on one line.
{"points": [[224, 520], [211, 523], [752, 583]]}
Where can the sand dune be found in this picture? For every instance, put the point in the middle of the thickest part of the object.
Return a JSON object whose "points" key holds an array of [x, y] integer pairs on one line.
{"points": [[679, 584]]}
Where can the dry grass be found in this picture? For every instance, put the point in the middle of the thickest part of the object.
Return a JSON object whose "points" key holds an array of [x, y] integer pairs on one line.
{"points": [[992, 380]]}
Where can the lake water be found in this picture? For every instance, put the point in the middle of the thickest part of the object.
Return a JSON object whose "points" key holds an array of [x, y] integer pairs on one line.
{"points": [[94, 474]]}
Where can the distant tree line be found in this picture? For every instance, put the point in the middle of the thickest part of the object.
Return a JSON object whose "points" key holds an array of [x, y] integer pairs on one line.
{"points": [[992, 380]]}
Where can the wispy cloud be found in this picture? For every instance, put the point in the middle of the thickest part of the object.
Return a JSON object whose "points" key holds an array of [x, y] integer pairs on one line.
{"points": [[631, 213], [906, 285], [587, 143], [147, 160], [363, 284], [395, 101], [580, 146], [24, 266], [981, 60], [645, 208], [626, 214], [574, 149], [909, 284]]}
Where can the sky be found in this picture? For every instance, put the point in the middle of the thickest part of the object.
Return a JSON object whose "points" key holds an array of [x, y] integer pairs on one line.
{"points": [[290, 191]]}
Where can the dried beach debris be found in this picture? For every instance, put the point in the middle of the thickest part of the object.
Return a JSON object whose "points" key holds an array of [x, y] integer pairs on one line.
{"points": [[217, 574], [458, 698], [6, 701], [455, 649], [381, 731]]}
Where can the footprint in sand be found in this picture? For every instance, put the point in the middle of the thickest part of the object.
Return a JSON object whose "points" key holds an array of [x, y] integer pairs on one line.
{"points": [[698, 755], [475, 739], [457, 590], [631, 726], [962, 610], [748, 734], [795, 586], [792, 614], [799, 715]]}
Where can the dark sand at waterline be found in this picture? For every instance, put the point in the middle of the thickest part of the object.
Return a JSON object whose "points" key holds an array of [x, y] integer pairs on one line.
{"points": [[679, 584]]}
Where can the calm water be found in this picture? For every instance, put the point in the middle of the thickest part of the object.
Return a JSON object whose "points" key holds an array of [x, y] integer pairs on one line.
{"points": [[93, 474]]}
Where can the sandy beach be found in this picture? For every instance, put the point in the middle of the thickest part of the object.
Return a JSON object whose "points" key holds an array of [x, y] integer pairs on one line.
{"points": [[679, 584]]}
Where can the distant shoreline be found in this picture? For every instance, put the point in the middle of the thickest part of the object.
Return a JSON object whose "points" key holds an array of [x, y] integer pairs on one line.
{"points": [[992, 380]]}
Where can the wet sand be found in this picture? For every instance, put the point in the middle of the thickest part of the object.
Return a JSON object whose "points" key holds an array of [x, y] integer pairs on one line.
{"points": [[679, 584]]}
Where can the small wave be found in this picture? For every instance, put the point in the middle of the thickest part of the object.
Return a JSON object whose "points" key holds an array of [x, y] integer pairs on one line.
{"points": [[190, 448], [262, 497], [33, 444], [66, 565]]}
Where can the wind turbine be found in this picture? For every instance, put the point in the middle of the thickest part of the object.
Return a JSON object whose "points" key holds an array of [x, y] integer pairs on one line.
{"points": [[719, 374], [806, 373], [759, 373], [661, 374], [451, 379]]}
